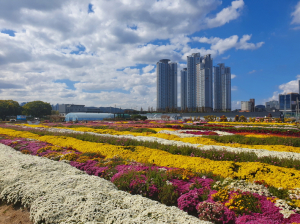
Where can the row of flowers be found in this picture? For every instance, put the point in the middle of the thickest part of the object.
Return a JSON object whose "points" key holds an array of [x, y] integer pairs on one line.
{"points": [[219, 153], [214, 152], [192, 140], [225, 201], [273, 175], [59, 193]]}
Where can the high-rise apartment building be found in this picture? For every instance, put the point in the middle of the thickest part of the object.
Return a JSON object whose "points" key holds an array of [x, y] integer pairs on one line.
{"points": [[192, 61], [204, 86], [183, 94], [226, 90], [222, 88], [166, 73], [172, 91], [252, 101], [218, 87]]}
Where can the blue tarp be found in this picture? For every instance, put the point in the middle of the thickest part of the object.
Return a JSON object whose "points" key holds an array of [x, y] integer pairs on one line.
{"points": [[88, 116], [21, 117]]}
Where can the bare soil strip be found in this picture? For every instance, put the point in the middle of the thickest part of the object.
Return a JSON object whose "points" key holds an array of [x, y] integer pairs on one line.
{"points": [[13, 214]]}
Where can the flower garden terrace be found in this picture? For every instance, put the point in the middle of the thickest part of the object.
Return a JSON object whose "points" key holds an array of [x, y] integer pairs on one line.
{"points": [[232, 186]]}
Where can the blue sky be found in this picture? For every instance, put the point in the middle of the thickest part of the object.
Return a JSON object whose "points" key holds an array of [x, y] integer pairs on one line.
{"points": [[94, 53]]}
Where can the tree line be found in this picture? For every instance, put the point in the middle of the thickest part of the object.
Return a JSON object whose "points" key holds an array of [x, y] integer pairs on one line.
{"points": [[34, 108]]}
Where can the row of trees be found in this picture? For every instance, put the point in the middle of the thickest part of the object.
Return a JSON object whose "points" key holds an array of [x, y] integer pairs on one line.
{"points": [[34, 108]]}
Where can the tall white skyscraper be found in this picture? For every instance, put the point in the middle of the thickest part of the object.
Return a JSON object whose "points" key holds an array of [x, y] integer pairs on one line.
{"points": [[192, 61], [166, 73], [183, 75], [204, 87], [222, 88]]}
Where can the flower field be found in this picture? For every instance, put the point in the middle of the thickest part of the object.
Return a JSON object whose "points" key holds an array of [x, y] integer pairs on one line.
{"points": [[152, 172]]}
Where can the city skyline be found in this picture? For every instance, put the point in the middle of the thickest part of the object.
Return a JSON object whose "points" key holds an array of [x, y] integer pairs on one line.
{"points": [[97, 54], [203, 87]]}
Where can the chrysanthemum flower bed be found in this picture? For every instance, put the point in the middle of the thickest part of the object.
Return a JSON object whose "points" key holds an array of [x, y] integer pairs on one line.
{"points": [[225, 201], [59, 193], [220, 148]]}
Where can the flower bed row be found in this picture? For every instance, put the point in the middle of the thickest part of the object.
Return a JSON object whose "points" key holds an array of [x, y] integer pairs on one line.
{"points": [[260, 130], [187, 190], [217, 153], [273, 175], [59, 193], [194, 140]]}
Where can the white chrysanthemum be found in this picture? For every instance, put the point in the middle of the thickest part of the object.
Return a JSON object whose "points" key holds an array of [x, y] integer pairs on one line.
{"points": [[59, 193]]}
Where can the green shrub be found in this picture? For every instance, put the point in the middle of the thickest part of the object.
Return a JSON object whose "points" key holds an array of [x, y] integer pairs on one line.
{"points": [[210, 118], [243, 118], [280, 193], [223, 118], [236, 118], [168, 195]]}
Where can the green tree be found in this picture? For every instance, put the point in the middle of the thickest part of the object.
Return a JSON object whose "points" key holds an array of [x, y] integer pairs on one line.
{"points": [[138, 117], [37, 108], [9, 108], [54, 112]]}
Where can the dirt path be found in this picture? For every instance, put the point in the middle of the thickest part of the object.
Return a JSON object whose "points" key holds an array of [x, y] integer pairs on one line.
{"points": [[10, 214]]}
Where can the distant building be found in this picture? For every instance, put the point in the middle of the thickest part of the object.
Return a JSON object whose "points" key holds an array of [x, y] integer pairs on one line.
{"points": [[252, 101], [204, 86], [183, 98], [222, 88], [260, 108], [64, 109], [218, 87], [246, 106], [73, 108], [272, 105], [192, 61], [166, 73], [55, 107], [287, 102], [113, 110]]}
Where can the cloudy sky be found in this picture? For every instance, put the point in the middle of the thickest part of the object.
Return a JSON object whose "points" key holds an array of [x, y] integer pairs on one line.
{"points": [[104, 52]]}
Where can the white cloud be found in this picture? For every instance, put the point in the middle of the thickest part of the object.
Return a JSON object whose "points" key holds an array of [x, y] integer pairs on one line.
{"points": [[224, 58], [234, 88], [226, 15], [233, 76], [248, 46], [296, 14], [251, 72], [131, 71], [219, 45], [148, 68], [111, 42], [235, 105], [289, 87], [274, 97]]}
